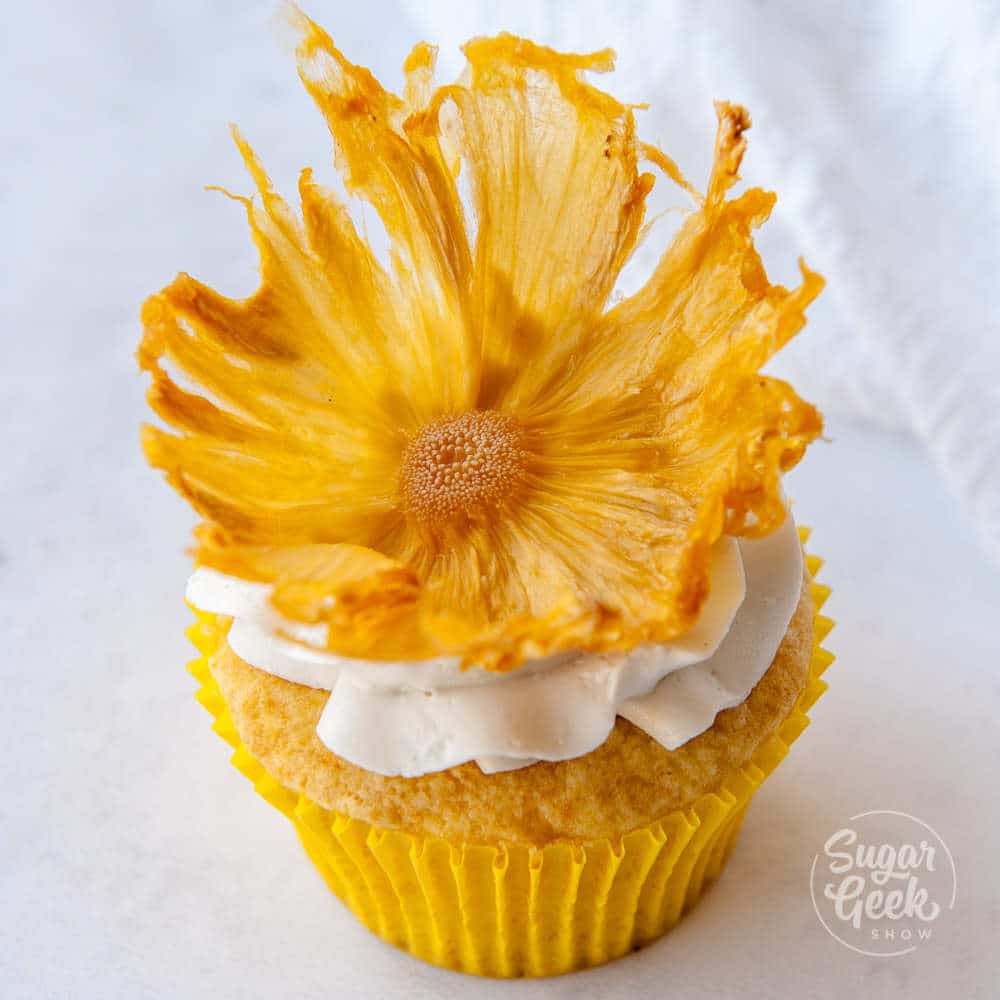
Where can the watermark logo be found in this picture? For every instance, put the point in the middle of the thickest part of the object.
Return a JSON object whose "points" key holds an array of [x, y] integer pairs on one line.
{"points": [[882, 883]]}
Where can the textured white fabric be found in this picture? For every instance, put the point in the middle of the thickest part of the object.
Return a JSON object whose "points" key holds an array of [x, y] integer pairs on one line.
{"points": [[878, 124]]}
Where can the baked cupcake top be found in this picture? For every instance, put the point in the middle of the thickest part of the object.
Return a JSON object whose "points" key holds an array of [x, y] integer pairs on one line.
{"points": [[472, 456]]}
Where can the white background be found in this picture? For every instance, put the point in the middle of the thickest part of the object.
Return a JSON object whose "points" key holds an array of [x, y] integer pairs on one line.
{"points": [[135, 861]]}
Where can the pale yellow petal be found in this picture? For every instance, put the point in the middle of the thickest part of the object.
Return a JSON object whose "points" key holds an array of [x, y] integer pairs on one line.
{"points": [[552, 166]]}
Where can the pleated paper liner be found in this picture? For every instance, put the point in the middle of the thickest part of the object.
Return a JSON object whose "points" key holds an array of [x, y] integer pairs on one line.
{"points": [[515, 910]]}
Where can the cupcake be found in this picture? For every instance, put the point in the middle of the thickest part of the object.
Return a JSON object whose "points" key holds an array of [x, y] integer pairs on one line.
{"points": [[498, 596]]}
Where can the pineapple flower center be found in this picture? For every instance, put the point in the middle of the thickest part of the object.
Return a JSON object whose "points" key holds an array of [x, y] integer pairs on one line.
{"points": [[461, 465]]}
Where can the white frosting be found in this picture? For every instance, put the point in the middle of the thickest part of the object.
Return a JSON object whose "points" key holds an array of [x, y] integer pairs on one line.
{"points": [[408, 719]]}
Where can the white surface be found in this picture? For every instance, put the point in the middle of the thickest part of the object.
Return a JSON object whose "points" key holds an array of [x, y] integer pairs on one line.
{"points": [[136, 861]]}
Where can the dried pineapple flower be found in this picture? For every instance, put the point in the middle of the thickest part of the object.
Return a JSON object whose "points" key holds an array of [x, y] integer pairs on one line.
{"points": [[471, 451]]}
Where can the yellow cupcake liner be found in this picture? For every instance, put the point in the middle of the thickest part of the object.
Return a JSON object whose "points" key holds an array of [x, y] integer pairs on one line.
{"points": [[511, 910]]}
